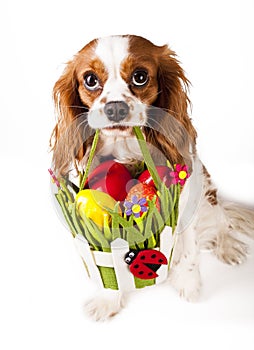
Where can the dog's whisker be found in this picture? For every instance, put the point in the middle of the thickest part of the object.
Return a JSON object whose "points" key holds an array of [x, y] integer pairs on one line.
{"points": [[74, 106], [169, 111]]}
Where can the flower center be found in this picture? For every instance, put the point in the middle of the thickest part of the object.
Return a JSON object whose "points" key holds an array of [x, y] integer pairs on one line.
{"points": [[136, 208], [182, 174]]}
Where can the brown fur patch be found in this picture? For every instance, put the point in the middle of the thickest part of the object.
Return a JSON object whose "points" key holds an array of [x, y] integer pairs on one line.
{"points": [[172, 131], [212, 196], [207, 175]]}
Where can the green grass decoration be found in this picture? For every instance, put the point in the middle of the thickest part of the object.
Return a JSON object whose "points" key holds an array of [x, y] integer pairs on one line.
{"points": [[91, 156], [140, 233], [147, 156]]}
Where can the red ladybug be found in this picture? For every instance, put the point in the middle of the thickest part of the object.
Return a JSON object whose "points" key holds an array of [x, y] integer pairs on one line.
{"points": [[145, 263]]}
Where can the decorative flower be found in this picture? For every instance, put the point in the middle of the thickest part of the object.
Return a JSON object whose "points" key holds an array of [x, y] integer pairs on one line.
{"points": [[54, 179], [135, 206], [180, 175]]}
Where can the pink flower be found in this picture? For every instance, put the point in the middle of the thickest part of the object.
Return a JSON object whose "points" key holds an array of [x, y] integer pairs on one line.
{"points": [[180, 175]]}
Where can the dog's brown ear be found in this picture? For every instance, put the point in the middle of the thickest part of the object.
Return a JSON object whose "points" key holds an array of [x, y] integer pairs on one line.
{"points": [[173, 99], [67, 138]]}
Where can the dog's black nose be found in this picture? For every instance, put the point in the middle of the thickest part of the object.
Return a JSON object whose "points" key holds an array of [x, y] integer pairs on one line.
{"points": [[116, 110]]}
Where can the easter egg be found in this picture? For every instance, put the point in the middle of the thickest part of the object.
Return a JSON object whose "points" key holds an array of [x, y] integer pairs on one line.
{"points": [[163, 172], [110, 177], [93, 204], [142, 190]]}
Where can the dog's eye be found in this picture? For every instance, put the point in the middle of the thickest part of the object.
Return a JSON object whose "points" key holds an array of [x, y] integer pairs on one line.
{"points": [[139, 77], [91, 81]]}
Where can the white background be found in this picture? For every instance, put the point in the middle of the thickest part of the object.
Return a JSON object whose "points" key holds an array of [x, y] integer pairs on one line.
{"points": [[43, 284]]}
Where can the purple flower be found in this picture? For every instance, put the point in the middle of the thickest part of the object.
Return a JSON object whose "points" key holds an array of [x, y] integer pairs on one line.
{"points": [[136, 206]]}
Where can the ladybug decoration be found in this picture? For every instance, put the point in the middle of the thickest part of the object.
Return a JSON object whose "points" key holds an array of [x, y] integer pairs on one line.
{"points": [[144, 263]]}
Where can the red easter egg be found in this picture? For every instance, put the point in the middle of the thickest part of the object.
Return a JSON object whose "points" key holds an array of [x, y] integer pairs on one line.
{"points": [[163, 172], [110, 177], [142, 190]]}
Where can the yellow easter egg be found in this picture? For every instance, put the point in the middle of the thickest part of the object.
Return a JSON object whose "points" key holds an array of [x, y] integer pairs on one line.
{"points": [[94, 204]]}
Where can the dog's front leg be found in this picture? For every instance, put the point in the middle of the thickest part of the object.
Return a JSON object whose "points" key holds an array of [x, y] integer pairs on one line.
{"points": [[105, 304], [184, 274]]}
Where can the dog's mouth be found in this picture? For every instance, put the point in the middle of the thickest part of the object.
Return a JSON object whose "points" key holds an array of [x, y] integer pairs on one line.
{"points": [[118, 127], [123, 130]]}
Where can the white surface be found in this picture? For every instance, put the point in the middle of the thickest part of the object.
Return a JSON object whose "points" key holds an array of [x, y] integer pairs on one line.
{"points": [[43, 284]]}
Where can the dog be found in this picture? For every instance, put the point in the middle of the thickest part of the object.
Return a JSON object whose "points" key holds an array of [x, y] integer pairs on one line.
{"points": [[113, 84]]}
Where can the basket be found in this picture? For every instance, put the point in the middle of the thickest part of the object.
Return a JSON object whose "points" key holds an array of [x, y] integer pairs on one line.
{"points": [[127, 244]]}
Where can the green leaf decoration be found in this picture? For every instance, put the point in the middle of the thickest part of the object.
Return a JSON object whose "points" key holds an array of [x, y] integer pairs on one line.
{"points": [[91, 156], [147, 157], [143, 232]]}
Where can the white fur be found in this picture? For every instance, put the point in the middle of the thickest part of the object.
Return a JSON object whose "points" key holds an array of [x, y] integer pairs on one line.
{"points": [[124, 148], [184, 274], [107, 303], [112, 51], [212, 227]]}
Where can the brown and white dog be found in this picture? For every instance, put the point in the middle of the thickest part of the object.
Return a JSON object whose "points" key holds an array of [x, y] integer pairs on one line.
{"points": [[117, 82]]}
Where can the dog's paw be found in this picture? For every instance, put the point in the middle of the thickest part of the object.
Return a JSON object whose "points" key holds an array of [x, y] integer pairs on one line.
{"points": [[105, 305], [231, 251], [187, 282]]}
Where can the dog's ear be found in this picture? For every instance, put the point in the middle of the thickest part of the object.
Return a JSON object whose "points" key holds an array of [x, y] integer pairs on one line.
{"points": [[178, 132], [67, 140]]}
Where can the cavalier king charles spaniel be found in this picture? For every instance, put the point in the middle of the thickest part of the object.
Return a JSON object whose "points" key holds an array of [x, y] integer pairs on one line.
{"points": [[118, 82]]}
